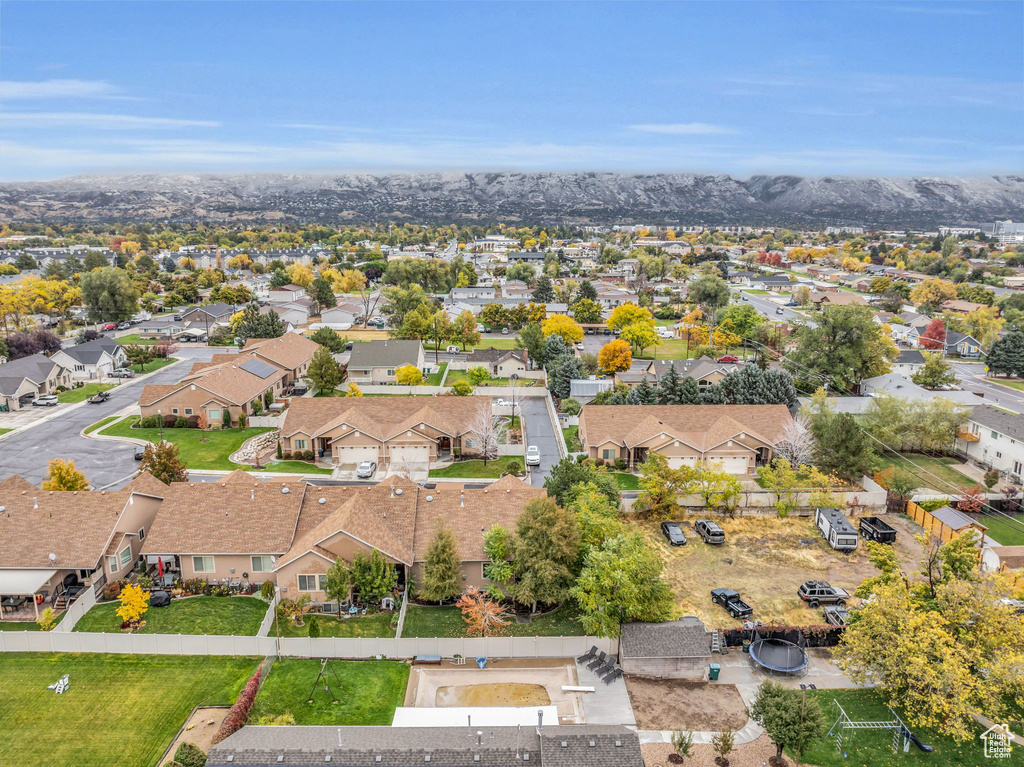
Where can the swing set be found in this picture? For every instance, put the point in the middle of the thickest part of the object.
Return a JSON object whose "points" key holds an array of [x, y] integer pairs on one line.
{"points": [[324, 669], [844, 728]]}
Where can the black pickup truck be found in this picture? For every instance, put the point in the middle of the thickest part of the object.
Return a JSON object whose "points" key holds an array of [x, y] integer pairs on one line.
{"points": [[874, 529], [730, 600]]}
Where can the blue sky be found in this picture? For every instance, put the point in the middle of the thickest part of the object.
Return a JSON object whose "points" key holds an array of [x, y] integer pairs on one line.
{"points": [[808, 88]]}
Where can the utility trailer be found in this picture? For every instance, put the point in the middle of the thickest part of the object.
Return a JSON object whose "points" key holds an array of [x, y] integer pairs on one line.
{"points": [[874, 529]]}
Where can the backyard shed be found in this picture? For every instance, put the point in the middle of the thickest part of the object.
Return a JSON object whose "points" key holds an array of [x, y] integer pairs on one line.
{"points": [[836, 529], [671, 650]]}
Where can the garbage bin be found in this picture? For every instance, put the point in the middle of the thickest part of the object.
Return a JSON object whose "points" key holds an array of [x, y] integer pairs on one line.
{"points": [[321, 452], [713, 671], [481, 662]]}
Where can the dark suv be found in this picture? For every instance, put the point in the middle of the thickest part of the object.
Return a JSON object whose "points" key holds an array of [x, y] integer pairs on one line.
{"points": [[709, 531], [674, 533], [816, 593]]}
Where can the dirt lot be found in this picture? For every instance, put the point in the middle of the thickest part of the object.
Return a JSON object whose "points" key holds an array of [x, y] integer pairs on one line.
{"points": [[766, 559], [680, 704], [754, 754]]}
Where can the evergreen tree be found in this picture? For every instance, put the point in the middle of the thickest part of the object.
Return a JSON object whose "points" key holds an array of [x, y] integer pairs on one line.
{"points": [[670, 387], [322, 294], [324, 371], [1007, 355], [272, 326], [442, 571], [169, 265], [567, 475], [561, 371], [544, 293], [779, 388], [94, 260], [587, 290], [554, 346], [373, 577], [531, 338], [327, 337], [279, 278], [544, 552], [843, 449], [643, 394], [689, 392]]}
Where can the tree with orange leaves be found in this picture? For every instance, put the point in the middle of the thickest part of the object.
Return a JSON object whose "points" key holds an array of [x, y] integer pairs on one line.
{"points": [[483, 616], [615, 356]]}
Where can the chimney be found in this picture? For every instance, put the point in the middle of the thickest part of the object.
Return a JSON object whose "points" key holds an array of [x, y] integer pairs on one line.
{"points": [[540, 720]]}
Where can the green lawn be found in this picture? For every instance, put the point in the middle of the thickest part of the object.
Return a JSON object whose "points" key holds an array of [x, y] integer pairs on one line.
{"points": [[672, 349], [83, 392], [495, 343], [376, 625], [1005, 531], [447, 621], [756, 291], [134, 338], [942, 467], [571, 441], [119, 709], [5, 431], [93, 427], [460, 375], [19, 625], [627, 481], [873, 748], [200, 449], [434, 379], [477, 469], [1012, 384], [156, 364], [368, 692], [240, 616]]}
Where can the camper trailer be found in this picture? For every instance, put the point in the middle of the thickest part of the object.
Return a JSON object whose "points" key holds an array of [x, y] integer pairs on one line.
{"points": [[836, 529]]}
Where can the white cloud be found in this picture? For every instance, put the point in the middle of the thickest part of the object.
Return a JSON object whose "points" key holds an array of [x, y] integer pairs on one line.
{"points": [[52, 89], [99, 121], [682, 129]]}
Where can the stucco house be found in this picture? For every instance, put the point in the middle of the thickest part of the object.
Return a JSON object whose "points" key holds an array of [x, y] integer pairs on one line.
{"points": [[375, 362], [407, 430], [502, 363], [24, 379], [993, 438], [286, 293], [908, 362], [704, 370], [671, 650], [93, 359], [739, 437]]}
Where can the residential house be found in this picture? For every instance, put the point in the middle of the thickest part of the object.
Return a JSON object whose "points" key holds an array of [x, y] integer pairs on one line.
{"points": [[93, 359], [54, 542], [477, 291], [287, 293], [291, 352], [993, 438], [677, 649], [632, 378], [375, 362], [209, 315], [395, 430], [502, 363], [957, 344], [342, 316], [704, 370], [837, 298], [164, 328], [900, 386], [739, 437], [528, 256], [964, 307], [294, 313], [908, 362], [24, 379]]}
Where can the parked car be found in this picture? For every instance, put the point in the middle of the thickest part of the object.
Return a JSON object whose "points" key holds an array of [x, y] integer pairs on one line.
{"points": [[579, 346], [98, 397], [366, 470], [674, 533], [47, 400], [139, 452], [122, 373], [453, 349], [607, 332], [504, 331], [108, 326], [780, 310], [589, 331], [179, 317], [123, 325], [709, 531], [837, 616], [728, 358], [816, 593], [730, 600], [533, 456], [791, 303]]}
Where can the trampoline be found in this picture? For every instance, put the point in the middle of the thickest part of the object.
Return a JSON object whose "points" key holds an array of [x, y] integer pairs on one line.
{"points": [[777, 654]]}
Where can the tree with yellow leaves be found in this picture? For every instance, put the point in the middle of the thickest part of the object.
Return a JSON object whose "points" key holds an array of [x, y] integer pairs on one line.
{"points": [[934, 290], [300, 275], [615, 356], [354, 391], [564, 326], [241, 261], [187, 263], [983, 325], [64, 476], [628, 314], [134, 603], [409, 375]]}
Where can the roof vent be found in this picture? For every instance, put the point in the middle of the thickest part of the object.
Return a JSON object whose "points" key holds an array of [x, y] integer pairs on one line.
{"points": [[322, 501], [593, 743], [280, 759], [398, 491], [231, 757], [327, 758], [285, 491], [618, 744], [35, 502], [565, 744]]}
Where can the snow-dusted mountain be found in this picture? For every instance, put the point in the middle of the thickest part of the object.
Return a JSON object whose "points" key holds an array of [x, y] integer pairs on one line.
{"points": [[528, 197]]}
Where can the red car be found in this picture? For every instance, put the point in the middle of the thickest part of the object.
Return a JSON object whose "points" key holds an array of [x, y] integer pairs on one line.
{"points": [[728, 358], [108, 326]]}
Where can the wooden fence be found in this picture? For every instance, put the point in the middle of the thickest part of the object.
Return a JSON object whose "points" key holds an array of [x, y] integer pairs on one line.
{"points": [[932, 525]]}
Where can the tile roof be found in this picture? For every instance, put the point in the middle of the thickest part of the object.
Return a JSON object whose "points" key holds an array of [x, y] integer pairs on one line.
{"points": [[381, 417], [700, 426], [685, 638]]}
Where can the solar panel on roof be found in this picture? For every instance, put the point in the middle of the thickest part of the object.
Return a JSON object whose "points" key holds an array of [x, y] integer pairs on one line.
{"points": [[257, 368]]}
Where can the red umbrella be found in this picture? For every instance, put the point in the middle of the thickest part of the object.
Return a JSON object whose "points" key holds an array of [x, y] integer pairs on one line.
{"points": [[160, 566]]}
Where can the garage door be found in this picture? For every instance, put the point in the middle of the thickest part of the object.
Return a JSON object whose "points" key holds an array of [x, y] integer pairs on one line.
{"points": [[355, 454], [732, 465], [410, 454], [675, 463]]}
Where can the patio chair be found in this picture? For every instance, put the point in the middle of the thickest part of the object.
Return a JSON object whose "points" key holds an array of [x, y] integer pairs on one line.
{"points": [[609, 678], [599, 661], [607, 666], [588, 656]]}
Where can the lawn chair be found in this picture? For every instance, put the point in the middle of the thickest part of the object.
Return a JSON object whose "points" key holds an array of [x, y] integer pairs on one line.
{"points": [[599, 661], [612, 676], [607, 666], [588, 656]]}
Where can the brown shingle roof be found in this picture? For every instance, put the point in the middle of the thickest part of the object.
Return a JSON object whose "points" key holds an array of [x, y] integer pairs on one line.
{"points": [[380, 417], [289, 351], [700, 426], [1010, 556], [228, 382]]}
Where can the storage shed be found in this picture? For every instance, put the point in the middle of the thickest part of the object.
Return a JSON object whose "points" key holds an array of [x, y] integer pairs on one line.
{"points": [[671, 650], [836, 529]]}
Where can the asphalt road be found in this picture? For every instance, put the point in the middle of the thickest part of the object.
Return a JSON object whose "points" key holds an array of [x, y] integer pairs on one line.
{"points": [[103, 463], [769, 309], [541, 433], [994, 394]]}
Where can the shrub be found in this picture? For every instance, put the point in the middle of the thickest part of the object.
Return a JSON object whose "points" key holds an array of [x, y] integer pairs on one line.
{"points": [[285, 456], [275, 719], [195, 586], [220, 591], [112, 591], [570, 406], [991, 478], [181, 422], [279, 450], [314, 627], [239, 713], [620, 464], [190, 755], [226, 419], [257, 406], [267, 590], [515, 467], [47, 619], [169, 420], [307, 455], [145, 582], [193, 422], [241, 420], [150, 422], [599, 461]]}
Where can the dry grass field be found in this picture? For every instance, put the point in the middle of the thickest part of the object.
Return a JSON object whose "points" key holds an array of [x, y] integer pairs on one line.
{"points": [[765, 559]]}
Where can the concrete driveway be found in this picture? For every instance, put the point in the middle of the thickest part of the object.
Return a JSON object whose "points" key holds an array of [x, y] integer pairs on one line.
{"points": [[541, 433], [28, 453]]}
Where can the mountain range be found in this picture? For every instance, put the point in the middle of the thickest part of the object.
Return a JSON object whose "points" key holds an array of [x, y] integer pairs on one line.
{"points": [[680, 198]]}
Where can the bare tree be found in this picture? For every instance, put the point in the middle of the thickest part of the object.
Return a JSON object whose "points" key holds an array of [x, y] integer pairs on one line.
{"points": [[487, 433], [797, 443], [369, 301]]}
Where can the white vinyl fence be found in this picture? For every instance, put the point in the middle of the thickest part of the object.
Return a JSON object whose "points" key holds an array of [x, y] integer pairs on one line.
{"points": [[299, 647], [78, 608]]}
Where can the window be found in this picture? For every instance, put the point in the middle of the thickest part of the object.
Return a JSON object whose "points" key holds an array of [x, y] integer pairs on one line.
{"points": [[142, 533], [126, 556], [323, 582], [188, 411], [214, 416], [300, 444], [998, 454], [307, 583], [112, 564], [1016, 468], [391, 372], [995, 435], [202, 564], [470, 442], [262, 565], [608, 454], [174, 410]]}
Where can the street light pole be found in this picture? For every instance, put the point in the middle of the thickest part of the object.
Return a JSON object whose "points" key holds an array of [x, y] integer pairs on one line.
{"points": [[277, 627]]}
